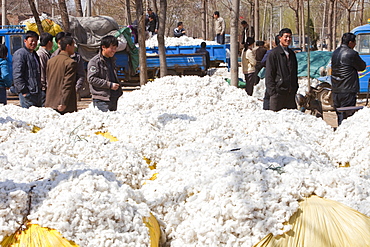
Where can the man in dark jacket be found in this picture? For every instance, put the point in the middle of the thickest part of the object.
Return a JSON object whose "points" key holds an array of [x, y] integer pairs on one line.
{"points": [[345, 83], [203, 50], [102, 76], [281, 74], [27, 73], [179, 30]]}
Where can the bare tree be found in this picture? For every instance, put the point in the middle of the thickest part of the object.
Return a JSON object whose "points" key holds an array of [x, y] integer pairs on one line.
{"points": [[36, 16], [348, 4], [79, 12], [140, 14], [256, 19], [161, 30], [128, 12], [64, 14]]}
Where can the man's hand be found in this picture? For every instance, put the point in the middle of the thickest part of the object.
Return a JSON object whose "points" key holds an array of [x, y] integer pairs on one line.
{"points": [[114, 86], [61, 107]]}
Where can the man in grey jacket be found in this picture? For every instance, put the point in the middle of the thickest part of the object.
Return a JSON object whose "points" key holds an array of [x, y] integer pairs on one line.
{"points": [[46, 45], [102, 76], [26, 72]]}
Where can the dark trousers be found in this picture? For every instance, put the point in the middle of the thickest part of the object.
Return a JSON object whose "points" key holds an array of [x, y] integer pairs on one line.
{"points": [[3, 97], [266, 101], [30, 100], [249, 83], [343, 100], [220, 38], [105, 106], [282, 101]]}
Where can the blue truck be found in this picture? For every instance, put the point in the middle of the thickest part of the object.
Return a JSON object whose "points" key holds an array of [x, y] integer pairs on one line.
{"points": [[181, 60]]}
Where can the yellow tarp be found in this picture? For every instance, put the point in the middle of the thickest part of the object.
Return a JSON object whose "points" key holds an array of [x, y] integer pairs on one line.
{"points": [[36, 236], [320, 222], [48, 25], [154, 230]]}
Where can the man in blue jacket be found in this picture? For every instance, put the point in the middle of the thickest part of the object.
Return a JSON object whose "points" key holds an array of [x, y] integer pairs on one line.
{"points": [[345, 64], [27, 73]]}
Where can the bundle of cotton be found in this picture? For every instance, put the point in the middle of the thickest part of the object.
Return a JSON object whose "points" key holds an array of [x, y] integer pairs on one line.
{"points": [[14, 201], [351, 142], [181, 41], [91, 208], [71, 142], [200, 182]]}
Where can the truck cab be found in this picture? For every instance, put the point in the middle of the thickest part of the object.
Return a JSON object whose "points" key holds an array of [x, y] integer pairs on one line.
{"points": [[12, 36], [363, 48]]}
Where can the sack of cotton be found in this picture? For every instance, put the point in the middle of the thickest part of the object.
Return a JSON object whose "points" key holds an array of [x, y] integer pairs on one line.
{"points": [[321, 222], [90, 208]]}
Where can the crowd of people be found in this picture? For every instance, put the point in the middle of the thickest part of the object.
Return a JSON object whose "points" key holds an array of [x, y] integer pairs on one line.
{"points": [[281, 71], [54, 80]]}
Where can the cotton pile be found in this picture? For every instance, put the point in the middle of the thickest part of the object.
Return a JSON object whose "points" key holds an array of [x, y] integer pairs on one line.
{"points": [[173, 41], [227, 172]]}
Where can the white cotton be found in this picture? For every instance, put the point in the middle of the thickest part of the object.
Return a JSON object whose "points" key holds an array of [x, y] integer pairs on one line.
{"points": [[228, 173]]}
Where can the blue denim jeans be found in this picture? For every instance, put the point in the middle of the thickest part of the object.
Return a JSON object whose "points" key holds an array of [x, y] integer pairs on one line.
{"points": [[30, 100], [3, 96], [105, 106]]}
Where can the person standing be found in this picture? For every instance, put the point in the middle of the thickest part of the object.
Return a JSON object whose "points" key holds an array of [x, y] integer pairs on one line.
{"points": [[260, 52], [5, 80], [155, 21], [219, 28], [26, 72], [179, 30], [248, 65], [102, 76], [81, 74], [266, 98], [345, 64], [61, 77], [281, 74], [46, 45]]}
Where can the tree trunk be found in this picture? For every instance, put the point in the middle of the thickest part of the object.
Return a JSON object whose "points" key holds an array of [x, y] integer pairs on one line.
{"points": [[303, 26], [64, 15], [78, 8], [142, 50], [128, 12], [154, 7], [36, 15], [234, 45], [348, 20], [160, 37], [256, 20], [330, 24], [362, 12], [335, 24], [324, 18], [204, 19]]}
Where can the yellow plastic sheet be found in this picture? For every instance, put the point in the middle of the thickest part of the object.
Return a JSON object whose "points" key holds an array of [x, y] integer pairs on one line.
{"points": [[107, 135], [320, 222], [36, 236], [154, 230]]}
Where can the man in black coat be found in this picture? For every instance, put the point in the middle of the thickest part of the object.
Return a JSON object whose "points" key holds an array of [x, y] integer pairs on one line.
{"points": [[281, 74], [345, 83]]}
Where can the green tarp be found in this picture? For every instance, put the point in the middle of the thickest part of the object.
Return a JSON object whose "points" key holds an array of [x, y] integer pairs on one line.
{"points": [[133, 50], [318, 59]]}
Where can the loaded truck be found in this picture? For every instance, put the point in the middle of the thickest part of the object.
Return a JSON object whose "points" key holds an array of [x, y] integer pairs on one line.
{"points": [[181, 60]]}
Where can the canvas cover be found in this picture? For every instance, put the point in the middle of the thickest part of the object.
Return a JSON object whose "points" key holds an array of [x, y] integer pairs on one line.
{"points": [[321, 222]]}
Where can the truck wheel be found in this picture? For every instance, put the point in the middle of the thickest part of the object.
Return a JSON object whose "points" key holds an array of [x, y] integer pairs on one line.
{"points": [[326, 99]]}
